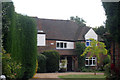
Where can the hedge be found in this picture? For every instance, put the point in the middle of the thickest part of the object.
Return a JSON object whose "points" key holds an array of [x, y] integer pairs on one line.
{"points": [[52, 62], [41, 63], [20, 39]]}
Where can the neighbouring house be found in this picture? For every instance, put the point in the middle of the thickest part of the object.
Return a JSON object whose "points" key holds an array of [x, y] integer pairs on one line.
{"points": [[61, 35]]}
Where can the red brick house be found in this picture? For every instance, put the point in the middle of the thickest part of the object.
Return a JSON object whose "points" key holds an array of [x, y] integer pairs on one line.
{"points": [[61, 35]]}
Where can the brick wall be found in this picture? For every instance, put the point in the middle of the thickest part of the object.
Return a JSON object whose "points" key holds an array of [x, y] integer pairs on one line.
{"points": [[51, 45]]}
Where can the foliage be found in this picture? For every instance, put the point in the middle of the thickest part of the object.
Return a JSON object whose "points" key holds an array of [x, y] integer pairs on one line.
{"points": [[52, 62], [8, 23], [106, 60], [20, 39], [96, 48], [79, 21], [100, 30], [28, 49], [10, 68], [107, 70], [80, 47], [112, 10], [41, 63]]}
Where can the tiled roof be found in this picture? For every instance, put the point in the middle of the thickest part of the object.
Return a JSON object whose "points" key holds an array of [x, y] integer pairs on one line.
{"points": [[61, 29]]}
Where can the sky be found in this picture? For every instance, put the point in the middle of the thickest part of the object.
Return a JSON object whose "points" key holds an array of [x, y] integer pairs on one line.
{"points": [[90, 10]]}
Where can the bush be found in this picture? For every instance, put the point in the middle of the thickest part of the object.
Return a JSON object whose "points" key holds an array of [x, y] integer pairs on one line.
{"points": [[41, 63], [52, 61], [10, 68], [80, 47]]}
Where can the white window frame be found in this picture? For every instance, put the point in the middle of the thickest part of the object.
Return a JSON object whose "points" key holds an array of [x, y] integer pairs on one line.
{"points": [[59, 47], [88, 42], [93, 59]]}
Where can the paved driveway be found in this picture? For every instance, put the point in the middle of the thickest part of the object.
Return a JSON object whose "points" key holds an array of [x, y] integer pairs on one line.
{"points": [[40, 76]]}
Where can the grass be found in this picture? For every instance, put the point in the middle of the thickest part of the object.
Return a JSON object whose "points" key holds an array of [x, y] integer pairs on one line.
{"points": [[83, 77]]}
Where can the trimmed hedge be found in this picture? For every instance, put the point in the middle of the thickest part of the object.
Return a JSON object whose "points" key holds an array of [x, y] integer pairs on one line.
{"points": [[20, 39], [52, 62], [41, 63]]}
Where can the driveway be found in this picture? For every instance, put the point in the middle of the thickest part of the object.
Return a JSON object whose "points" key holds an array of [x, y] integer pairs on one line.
{"points": [[45, 76]]}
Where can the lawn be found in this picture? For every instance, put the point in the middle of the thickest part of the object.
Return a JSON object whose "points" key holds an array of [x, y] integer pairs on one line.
{"points": [[83, 77]]}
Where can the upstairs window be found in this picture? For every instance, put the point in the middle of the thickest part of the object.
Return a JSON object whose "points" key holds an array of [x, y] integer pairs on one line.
{"points": [[88, 42], [61, 45]]}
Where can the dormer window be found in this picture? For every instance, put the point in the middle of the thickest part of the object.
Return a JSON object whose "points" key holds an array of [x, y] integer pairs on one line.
{"points": [[88, 43]]}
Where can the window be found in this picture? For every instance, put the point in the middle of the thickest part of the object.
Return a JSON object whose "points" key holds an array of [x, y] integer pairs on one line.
{"points": [[90, 62], [88, 42], [61, 45], [65, 45]]}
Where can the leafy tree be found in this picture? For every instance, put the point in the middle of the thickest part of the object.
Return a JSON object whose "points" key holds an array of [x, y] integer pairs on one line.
{"points": [[96, 48], [80, 47], [100, 30], [81, 22], [112, 10]]}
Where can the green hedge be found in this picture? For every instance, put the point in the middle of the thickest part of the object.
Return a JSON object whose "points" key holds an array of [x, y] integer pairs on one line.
{"points": [[80, 47], [52, 62], [41, 63], [20, 39]]}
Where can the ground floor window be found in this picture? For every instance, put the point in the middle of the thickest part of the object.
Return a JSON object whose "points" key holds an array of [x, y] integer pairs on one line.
{"points": [[90, 61]]}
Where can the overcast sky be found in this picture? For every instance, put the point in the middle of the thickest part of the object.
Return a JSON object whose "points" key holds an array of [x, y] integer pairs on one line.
{"points": [[90, 10]]}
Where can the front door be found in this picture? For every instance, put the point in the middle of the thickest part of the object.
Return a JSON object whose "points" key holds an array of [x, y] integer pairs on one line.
{"points": [[69, 63]]}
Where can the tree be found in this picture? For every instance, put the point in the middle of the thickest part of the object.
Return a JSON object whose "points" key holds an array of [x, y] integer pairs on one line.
{"points": [[112, 10], [20, 39], [100, 30], [81, 22], [27, 34], [80, 47], [96, 48]]}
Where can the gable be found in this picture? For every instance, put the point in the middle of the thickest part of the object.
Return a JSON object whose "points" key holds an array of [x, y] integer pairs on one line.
{"points": [[91, 34]]}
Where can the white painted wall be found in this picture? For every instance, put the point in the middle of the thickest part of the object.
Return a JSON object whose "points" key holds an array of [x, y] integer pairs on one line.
{"points": [[91, 34], [41, 40], [70, 45]]}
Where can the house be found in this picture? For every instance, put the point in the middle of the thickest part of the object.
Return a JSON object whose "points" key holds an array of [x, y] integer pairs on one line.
{"points": [[61, 35]]}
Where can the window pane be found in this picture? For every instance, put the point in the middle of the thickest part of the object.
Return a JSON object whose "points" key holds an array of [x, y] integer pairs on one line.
{"points": [[65, 45], [86, 62], [94, 62], [61, 45], [90, 62], [87, 43], [58, 45]]}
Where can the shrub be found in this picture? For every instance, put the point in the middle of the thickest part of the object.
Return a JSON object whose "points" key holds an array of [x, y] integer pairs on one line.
{"points": [[41, 63], [10, 68], [80, 47], [52, 62]]}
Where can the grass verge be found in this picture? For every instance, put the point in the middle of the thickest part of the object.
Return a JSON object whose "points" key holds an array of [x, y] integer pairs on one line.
{"points": [[83, 77]]}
